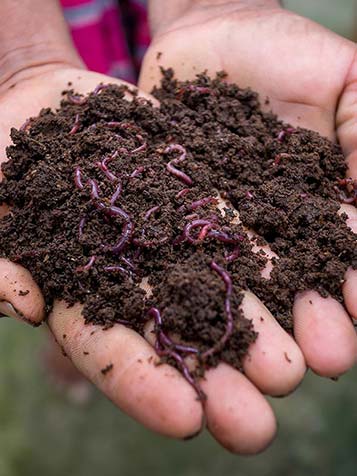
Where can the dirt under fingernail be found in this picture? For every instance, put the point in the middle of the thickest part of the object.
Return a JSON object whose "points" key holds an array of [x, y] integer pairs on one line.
{"points": [[106, 192]]}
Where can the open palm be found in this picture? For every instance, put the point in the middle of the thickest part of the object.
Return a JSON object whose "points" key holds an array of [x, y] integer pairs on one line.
{"points": [[309, 75], [157, 396]]}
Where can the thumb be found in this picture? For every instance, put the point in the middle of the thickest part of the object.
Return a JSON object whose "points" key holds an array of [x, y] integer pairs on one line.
{"points": [[20, 297], [346, 119]]}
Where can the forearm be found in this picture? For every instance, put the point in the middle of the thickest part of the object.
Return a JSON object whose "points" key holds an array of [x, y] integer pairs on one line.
{"points": [[33, 34], [163, 12]]}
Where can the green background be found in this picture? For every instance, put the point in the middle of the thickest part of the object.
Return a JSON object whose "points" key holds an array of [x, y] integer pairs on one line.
{"points": [[42, 432]]}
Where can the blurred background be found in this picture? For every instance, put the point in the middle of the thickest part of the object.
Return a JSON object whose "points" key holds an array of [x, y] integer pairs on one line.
{"points": [[43, 431]]}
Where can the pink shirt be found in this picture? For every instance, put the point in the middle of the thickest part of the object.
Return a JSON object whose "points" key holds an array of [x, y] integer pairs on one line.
{"points": [[111, 36]]}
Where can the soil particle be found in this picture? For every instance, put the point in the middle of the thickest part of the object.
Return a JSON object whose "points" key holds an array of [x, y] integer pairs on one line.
{"points": [[24, 293], [106, 194], [107, 369]]}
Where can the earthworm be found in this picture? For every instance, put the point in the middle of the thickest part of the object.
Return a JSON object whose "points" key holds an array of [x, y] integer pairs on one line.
{"points": [[194, 88], [204, 231], [191, 216], [163, 338], [142, 146], [224, 237], [116, 268], [151, 211], [86, 267], [184, 369], [347, 200], [227, 307], [26, 125], [137, 172], [171, 167], [76, 99], [76, 125], [81, 226], [139, 149], [182, 192], [94, 194], [191, 226], [163, 341], [150, 243], [198, 203], [111, 211], [117, 193], [104, 167], [113, 124], [343, 197], [180, 347], [284, 132], [128, 227], [348, 183], [78, 178], [128, 262], [234, 255], [100, 88]]}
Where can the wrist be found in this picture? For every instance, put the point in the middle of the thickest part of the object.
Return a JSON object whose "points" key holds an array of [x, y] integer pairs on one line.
{"points": [[35, 39], [29, 60]]}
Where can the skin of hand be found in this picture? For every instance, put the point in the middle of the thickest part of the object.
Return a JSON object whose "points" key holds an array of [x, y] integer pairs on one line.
{"points": [[309, 75], [236, 412], [36, 65]]}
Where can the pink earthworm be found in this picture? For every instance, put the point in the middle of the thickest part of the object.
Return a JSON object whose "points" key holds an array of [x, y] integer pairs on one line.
{"points": [[81, 269], [76, 125], [228, 311], [171, 165]]}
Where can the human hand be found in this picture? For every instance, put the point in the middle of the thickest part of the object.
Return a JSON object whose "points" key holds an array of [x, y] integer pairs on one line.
{"points": [[35, 66], [309, 75], [158, 397]]}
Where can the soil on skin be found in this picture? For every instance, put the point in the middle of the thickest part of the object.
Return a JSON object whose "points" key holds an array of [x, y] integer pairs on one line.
{"points": [[283, 182]]}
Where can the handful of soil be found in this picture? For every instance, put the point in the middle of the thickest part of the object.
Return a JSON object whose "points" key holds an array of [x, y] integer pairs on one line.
{"points": [[142, 213]]}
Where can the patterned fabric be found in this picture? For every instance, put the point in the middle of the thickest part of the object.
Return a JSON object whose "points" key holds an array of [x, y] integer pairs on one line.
{"points": [[110, 35]]}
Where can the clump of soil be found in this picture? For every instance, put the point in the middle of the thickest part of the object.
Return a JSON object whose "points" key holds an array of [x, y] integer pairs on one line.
{"points": [[108, 194]]}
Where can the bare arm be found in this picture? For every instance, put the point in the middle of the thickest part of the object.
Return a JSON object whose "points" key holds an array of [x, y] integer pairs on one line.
{"points": [[33, 35]]}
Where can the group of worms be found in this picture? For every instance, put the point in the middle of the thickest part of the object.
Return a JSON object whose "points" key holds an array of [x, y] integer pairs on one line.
{"points": [[194, 232]]}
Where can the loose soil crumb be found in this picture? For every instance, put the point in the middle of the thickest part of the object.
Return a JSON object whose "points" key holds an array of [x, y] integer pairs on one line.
{"points": [[106, 194], [107, 369], [24, 293]]}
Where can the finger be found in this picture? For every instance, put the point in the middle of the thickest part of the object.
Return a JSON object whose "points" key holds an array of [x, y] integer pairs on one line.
{"points": [[229, 419], [346, 120], [351, 212], [20, 296], [275, 364], [349, 288], [238, 416], [324, 333], [124, 366], [350, 292]]}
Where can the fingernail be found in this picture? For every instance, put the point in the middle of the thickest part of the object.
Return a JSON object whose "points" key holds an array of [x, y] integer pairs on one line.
{"points": [[8, 310]]}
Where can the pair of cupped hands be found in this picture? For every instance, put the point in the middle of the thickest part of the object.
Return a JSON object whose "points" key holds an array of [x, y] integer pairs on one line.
{"points": [[310, 76]]}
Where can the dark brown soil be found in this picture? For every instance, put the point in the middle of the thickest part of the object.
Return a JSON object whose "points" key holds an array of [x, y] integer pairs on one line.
{"points": [[283, 181]]}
